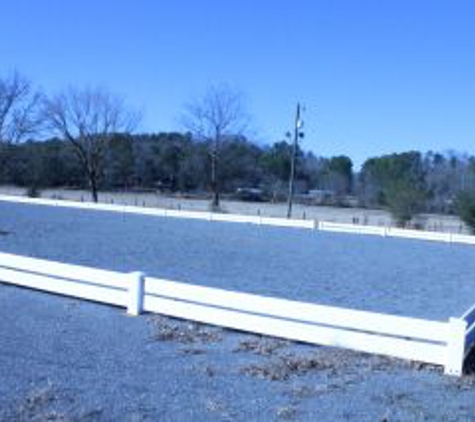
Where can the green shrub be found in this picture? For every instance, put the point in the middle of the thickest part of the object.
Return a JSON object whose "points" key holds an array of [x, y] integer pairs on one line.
{"points": [[465, 206], [404, 201]]}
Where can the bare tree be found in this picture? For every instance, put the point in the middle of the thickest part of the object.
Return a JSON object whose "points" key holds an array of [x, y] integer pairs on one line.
{"points": [[88, 119], [215, 116], [19, 109]]}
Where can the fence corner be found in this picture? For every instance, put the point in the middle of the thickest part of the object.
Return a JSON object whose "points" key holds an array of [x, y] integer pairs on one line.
{"points": [[135, 293], [455, 347]]}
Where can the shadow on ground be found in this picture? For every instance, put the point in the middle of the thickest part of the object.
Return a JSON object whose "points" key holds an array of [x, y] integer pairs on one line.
{"points": [[469, 364]]}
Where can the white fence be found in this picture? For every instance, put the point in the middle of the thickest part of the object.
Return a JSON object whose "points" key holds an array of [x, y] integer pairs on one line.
{"points": [[258, 220], [396, 232], [440, 343]]}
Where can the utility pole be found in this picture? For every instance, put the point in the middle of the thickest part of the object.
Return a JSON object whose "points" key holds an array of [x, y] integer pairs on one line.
{"points": [[297, 134]]}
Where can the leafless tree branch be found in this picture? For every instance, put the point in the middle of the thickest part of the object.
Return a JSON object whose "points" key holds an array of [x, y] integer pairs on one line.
{"points": [[88, 119], [20, 115], [217, 115]]}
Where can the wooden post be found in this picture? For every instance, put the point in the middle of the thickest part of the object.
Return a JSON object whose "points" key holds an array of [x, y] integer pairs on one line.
{"points": [[136, 293], [455, 347]]}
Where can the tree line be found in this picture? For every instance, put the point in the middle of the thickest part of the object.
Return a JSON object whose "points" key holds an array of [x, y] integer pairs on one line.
{"points": [[175, 162], [85, 138]]}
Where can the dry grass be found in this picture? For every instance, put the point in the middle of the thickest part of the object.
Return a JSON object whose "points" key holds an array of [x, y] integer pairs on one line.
{"points": [[41, 404], [191, 351], [332, 361], [37, 406], [183, 332], [284, 367], [263, 346], [305, 391]]}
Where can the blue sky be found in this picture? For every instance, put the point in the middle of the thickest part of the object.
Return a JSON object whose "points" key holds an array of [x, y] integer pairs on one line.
{"points": [[375, 76]]}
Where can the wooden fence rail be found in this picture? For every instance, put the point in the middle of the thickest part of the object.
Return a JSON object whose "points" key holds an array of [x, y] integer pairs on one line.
{"points": [[435, 342]]}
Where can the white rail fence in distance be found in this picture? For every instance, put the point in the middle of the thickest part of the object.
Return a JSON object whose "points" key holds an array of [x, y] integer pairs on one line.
{"points": [[251, 219]]}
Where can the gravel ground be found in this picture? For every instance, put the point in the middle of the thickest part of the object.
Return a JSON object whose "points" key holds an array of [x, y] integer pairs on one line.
{"points": [[67, 360], [64, 359], [397, 276]]}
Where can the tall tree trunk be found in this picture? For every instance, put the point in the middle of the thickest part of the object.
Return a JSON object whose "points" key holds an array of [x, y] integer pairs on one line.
{"points": [[93, 187], [215, 199], [214, 177]]}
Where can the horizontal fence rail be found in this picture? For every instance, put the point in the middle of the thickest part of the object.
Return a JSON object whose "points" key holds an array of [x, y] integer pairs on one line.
{"points": [[352, 228], [69, 280], [250, 219], [440, 343]]}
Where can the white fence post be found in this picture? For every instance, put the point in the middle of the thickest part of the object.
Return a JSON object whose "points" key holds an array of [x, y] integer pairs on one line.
{"points": [[136, 293], [456, 346]]}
